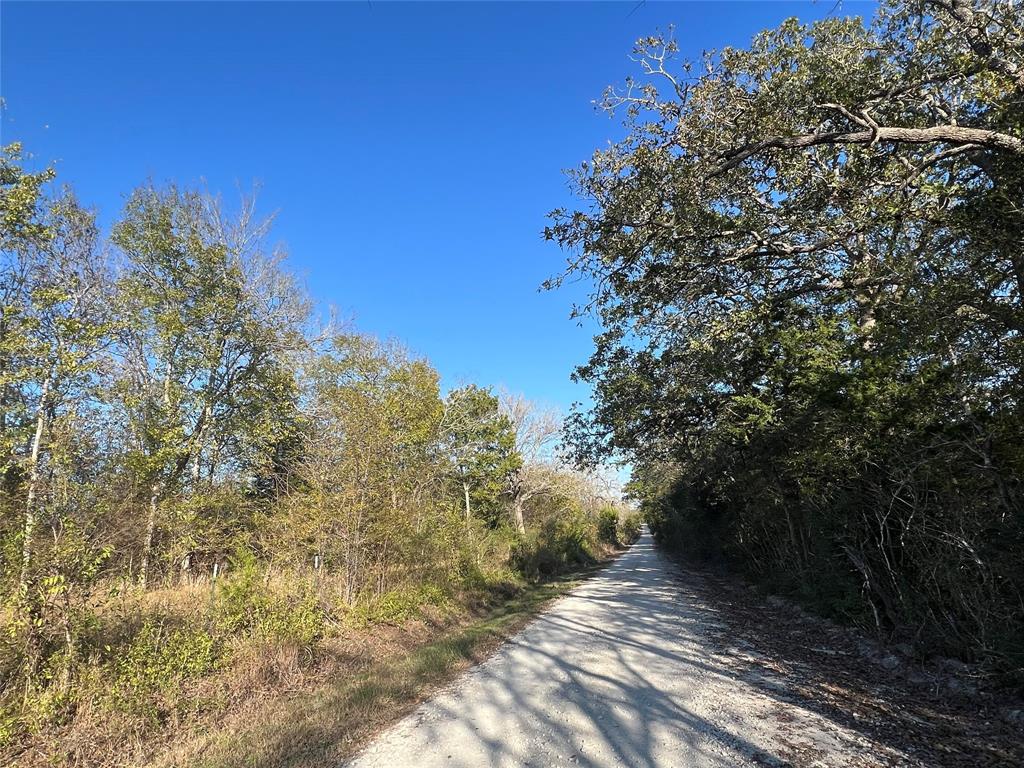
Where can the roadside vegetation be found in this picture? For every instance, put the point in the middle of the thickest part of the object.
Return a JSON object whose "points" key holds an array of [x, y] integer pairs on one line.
{"points": [[358, 683], [809, 264], [209, 499]]}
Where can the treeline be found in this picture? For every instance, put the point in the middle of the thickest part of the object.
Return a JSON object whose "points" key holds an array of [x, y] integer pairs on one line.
{"points": [[172, 418], [809, 260]]}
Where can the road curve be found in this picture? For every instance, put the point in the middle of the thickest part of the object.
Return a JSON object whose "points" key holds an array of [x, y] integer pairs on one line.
{"points": [[620, 672]]}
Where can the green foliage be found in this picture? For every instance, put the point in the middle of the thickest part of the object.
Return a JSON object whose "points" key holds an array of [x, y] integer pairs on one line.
{"points": [[810, 285], [20, 195], [208, 526], [482, 446], [246, 607], [400, 605], [149, 673], [212, 327], [630, 527], [608, 525], [561, 544]]}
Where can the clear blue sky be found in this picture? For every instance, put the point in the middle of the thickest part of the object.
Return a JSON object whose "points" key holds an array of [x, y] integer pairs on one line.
{"points": [[412, 150]]}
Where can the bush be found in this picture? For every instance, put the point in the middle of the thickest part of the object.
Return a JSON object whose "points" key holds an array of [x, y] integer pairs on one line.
{"points": [[151, 670], [630, 527], [400, 605], [246, 605], [608, 525], [560, 544]]}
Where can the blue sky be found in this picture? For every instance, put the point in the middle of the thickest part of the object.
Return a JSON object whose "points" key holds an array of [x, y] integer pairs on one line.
{"points": [[412, 150]]}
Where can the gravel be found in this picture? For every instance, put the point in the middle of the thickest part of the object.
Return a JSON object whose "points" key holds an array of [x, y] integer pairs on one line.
{"points": [[627, 670]]}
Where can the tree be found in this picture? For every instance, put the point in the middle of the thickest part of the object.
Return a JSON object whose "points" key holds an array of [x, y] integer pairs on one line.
{"points": [[537, 433], [832, 166], [54, 321], [22, 215], [482, 445], [207, 350], [371, 468], [53, 327], [807, 264], [66, 317]]}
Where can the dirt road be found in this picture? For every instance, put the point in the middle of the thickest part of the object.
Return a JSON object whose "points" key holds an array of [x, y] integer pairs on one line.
{"points": [[621, 672]]}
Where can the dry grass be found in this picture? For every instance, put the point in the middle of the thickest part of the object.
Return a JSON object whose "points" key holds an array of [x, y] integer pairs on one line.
{"points": [[288, 712], [269, 699]]}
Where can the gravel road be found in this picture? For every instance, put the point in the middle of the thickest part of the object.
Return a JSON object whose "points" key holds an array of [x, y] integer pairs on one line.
{"points": [[629, 669]]}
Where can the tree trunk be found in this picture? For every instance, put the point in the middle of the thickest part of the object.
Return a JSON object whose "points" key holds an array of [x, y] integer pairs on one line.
{"points": [[197, 447], [795, 546], [866, 323], [517, 513], [865, 296], [31, 518], [465, 491], [147, 543]]}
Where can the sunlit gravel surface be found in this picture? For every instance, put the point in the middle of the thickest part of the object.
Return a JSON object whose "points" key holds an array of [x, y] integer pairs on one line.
{"points": [[630, 669]]}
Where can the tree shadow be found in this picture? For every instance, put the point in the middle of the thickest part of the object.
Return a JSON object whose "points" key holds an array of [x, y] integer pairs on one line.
{"points": [[614, 675], [839, 674], [651, 664]]}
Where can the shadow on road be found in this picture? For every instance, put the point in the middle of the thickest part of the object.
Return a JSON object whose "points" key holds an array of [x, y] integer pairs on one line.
{"points": [[605, 678], [649, 665]]}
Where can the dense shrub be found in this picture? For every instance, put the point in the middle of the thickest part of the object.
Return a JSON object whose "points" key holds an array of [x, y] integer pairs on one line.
{"points": [[560, 544], [150, 670], [245, 605], [630, 527], [608, 525]]}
